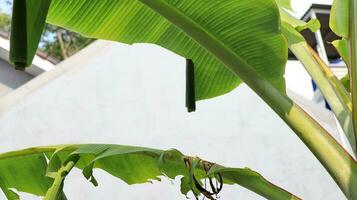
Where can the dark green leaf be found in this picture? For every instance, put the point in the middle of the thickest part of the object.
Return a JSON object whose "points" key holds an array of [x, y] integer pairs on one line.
{"points": [[190, 86], [28, 21]]}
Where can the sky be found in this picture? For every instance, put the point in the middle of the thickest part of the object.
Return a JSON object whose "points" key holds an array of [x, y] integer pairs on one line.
{"points": [[4, 7]]}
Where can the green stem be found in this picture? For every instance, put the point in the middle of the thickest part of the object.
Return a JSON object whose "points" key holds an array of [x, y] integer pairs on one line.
{"points": [[353, 59], [341, 166], [56, 190], [330, 86]]}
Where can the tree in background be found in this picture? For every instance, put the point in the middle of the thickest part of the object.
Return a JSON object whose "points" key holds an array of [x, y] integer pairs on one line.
{"points": [[4, 22], [5, 18], [60, 43]]}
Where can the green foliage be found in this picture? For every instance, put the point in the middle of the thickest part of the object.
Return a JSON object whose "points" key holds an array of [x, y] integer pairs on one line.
{"points": [[5, 22], [60, 43], [243, 39], [339, 18], [212, 77], [284, 4], [25, 170], [342, 47], [343, 21], [346, 82], [339, 23], [299, 25], [337, 97], [25, 173]]}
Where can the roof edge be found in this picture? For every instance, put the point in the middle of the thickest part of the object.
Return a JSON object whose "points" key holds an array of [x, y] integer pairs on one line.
{"points": [[13, 98]]}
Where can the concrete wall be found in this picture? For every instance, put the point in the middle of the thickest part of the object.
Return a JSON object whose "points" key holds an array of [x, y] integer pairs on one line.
{"points": [[113, 93], [11, 79]]}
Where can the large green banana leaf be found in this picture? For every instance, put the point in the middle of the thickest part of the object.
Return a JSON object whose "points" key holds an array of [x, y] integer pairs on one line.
{"points": [[284, 4], [251, 30], [27, 170]]}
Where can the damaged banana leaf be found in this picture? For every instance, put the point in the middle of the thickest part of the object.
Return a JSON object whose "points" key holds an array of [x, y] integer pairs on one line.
{"points": [[29, 171]]}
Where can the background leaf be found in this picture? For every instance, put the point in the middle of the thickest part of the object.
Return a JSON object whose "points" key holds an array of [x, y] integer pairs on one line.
{"points": [[284, 4], [339, 18], [25, 174], [342, 47], [131, 164], [339, 24]]}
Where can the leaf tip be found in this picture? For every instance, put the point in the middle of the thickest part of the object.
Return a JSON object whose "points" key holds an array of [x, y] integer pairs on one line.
{"points": [[21, 66]]}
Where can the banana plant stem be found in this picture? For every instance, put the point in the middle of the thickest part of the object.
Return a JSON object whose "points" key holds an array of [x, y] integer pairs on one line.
{"points": [[353, 59], [56, 190], [330, 86]]}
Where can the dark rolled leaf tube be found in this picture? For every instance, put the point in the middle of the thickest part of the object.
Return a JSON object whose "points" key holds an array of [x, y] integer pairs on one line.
{"points": [[18, 38], [190, 86]]}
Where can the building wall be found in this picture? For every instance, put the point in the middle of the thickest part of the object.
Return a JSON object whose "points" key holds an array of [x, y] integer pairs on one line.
{"points": [[134, 95], [298, 80], [11, 79]]}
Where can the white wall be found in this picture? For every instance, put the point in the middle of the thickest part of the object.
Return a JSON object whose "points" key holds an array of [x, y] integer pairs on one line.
{"points": [[11, 79], [298, 80], [113, 93]]}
